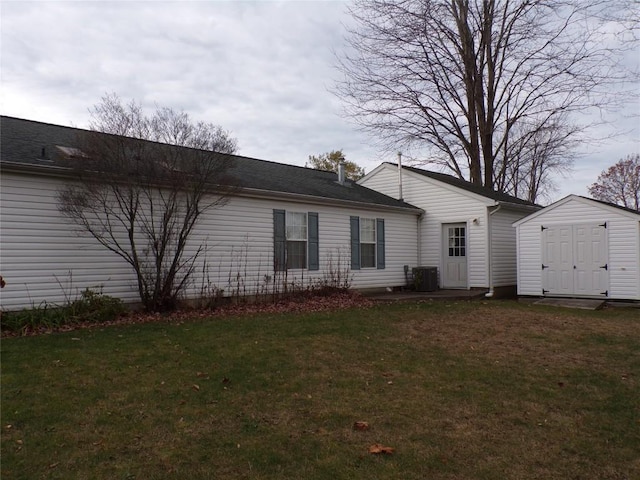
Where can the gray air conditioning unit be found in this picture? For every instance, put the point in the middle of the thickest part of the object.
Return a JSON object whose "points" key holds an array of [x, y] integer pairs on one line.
{"points": [[425, 279]]}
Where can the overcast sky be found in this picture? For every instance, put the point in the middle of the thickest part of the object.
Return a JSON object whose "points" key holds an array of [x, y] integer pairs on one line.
{"points": [[262, 70]]}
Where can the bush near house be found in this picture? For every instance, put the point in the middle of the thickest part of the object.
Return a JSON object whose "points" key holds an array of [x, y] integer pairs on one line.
{"points": [[90, 307]]}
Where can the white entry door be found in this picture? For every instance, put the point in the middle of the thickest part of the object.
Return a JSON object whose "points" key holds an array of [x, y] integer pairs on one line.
{"points": [[575, 260], [454, 268]]}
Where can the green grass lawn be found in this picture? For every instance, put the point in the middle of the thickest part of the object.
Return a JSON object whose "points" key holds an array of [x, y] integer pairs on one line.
{"points": [[493, 390]]}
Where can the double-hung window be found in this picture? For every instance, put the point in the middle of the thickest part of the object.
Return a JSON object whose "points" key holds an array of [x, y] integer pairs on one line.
{"points": [[367, 243], [295, 240], [296, 232]]}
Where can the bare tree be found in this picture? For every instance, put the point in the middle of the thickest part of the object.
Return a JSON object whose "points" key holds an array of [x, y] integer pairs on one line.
{"points": [[620, 183], [329, 161], [482, 85], [535, 158], [142, 184]]}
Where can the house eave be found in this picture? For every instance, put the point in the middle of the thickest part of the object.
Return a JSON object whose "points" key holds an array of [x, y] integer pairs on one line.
{"points": [[271, 194], [57, 171], [519, 206], [49, 170]]}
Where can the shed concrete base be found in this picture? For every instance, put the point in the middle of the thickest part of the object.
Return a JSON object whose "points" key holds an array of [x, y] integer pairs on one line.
{"points": [[583, 303]]}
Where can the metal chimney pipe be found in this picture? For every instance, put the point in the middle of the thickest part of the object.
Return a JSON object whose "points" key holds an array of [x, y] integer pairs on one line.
{"points": [[400, 176], [341, 176]]}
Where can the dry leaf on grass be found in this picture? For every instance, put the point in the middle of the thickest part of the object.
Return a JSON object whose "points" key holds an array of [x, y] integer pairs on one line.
{"points": [[361, 426], [379, 449]]}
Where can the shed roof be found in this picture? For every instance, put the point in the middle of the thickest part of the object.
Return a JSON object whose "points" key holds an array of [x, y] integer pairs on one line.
{"points": [[614, 205], [627, 212], [32, 144]]}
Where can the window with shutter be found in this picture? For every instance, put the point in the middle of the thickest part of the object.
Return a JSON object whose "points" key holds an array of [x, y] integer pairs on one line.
{"points": [[296, 240], [367, 243]]}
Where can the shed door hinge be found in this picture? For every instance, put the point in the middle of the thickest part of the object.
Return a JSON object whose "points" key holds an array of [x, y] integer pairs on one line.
{"points": [[605, 293], [544, 291], [603, 225], [544, 266], [543, 228], [606, 266]]}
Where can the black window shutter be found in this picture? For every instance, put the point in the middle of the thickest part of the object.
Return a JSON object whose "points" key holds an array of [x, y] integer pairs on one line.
{"points": [[355, 243], [380, 242], [279, 241], [314, 244]]}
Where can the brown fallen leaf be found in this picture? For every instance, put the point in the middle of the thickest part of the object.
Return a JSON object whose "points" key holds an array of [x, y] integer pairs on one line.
{"points": [[201, 374], [196, 387], [360, 425], [379, 449]]}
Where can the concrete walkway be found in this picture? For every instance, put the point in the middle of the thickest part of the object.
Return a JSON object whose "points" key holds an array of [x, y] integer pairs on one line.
{"points": [[410, 295]]}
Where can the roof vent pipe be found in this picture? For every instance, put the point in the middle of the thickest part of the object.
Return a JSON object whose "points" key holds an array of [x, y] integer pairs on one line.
{"points": [[341, 172], [400, 176]]}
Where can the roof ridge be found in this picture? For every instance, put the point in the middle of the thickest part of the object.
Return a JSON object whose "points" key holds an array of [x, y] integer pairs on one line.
{"points": [[163, 143], [466, 185], [23, 140]]}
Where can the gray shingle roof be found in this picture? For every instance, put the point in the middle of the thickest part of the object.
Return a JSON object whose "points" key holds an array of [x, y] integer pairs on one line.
{"points": [[468, 186], [31, 143], [614, 205]]}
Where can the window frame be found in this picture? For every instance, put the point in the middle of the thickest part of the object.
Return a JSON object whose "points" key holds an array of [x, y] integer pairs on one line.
{"points": [[289, 228], [282, 235], [368, 242], [379, 243]]}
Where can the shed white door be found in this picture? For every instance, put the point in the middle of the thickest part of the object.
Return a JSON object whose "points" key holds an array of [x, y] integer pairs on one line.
{"points": [[454, 268], [574, 260]]}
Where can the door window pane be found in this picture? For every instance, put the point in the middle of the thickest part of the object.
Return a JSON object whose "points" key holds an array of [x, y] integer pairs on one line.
{"points": [[457, 241]]}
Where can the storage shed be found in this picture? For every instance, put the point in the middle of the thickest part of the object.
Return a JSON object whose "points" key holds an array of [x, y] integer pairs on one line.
{"points": [[580, 247]]}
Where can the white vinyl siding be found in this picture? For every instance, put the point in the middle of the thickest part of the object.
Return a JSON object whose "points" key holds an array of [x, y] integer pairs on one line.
{"points": [[44, 259], [442, 204], [503, 247], [623, 239]]}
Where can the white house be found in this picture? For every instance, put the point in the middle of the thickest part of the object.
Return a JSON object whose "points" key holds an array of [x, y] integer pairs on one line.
{"points": [[465, 231], [580, 247], [285, 222]]}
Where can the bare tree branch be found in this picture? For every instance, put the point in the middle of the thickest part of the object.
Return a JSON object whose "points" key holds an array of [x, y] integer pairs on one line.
{"points": [[477, 85], [142, 183]]}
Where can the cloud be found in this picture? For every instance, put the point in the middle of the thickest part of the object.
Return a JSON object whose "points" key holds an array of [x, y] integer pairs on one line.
{"points": [[262, 70]]}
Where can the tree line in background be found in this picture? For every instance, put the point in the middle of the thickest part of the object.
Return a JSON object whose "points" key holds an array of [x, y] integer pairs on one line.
{"points": [[487, 89], [620, 183], [329, 161]]}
